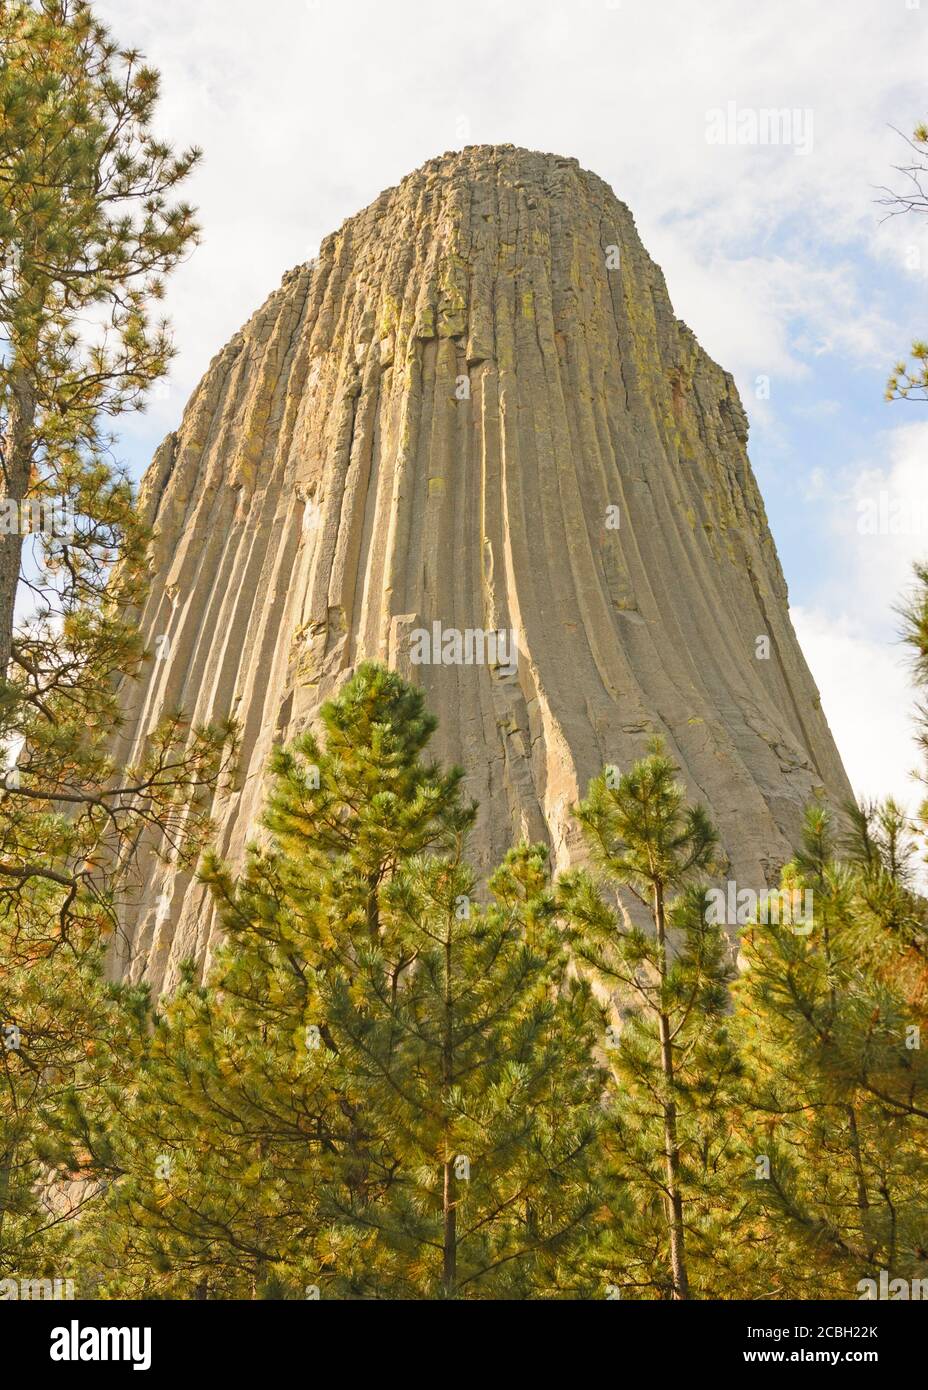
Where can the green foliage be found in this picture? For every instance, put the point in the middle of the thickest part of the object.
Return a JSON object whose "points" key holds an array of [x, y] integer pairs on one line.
{"points": [[829, 1024], [385, 1089], [86, 225], [669, 1141], [389, 1089], [87, 233], [67, 1046]]}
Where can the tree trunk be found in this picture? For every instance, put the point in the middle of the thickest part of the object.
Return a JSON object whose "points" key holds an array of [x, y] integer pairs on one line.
{"points": [[373, 905], [6, 1166], [863, 1199], [7, 1161], [449, 1204], [674, 1201], [449, 1230], [14, 482]]}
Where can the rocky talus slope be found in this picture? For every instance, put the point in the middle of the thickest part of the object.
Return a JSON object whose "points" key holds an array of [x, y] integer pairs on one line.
{"points": [[477, 408]]}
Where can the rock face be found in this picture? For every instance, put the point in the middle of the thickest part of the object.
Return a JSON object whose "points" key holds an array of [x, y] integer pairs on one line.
{"points": [[477, 409]]}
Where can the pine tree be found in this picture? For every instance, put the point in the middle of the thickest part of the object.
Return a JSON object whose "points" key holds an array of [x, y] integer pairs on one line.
{"points": [[68, 1040], [87, 232], [829, 1017], [669, 1134], [830, 1020], [476, 1074], [385, 1089]]}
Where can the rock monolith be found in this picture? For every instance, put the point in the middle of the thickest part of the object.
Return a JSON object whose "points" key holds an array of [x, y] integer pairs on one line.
{"points": [[472, 440]]}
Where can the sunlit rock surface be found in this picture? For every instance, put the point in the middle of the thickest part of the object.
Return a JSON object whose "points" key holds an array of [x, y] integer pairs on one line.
{"points": [[477, 408]]}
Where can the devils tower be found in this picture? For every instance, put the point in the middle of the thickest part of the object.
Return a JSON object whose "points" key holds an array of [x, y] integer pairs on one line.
{"points": [[475, 413]]}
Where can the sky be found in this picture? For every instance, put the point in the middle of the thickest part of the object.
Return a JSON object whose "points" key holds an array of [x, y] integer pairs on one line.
{"points": [[777, 252]]}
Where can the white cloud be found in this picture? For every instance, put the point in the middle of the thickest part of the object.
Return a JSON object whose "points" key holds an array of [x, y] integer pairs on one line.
{"points": [[750, 305], [868, 700], [875, 526], [306, 111], [873, 529]]}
